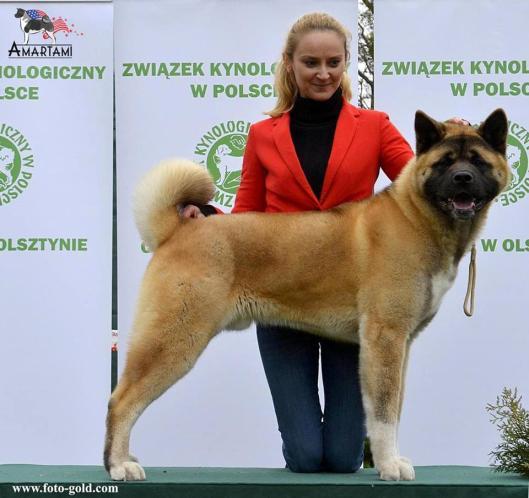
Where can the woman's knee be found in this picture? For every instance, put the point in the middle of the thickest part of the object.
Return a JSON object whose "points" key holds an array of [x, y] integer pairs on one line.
{"points": [[341, 462], [304, 458]]}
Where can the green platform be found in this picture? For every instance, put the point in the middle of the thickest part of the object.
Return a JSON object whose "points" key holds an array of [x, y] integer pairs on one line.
{"points": [[166, 482]]}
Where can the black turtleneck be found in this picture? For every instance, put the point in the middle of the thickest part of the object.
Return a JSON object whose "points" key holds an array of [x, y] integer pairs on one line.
{"points": [[312, 126]]}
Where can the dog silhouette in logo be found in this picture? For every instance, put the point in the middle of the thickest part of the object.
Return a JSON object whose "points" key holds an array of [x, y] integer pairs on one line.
{"points": [[226, 162], [7, 158], [35, 21], [513, 157]]}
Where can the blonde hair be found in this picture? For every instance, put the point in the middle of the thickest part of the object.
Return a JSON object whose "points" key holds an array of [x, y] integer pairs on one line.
{"points": [[285, 85]]}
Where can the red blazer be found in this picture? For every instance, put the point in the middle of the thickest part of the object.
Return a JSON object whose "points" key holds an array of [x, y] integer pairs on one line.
{"points": [[273, 180]]}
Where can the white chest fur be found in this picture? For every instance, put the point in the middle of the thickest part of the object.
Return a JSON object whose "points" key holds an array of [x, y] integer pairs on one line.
{"points": [[440, 283]]}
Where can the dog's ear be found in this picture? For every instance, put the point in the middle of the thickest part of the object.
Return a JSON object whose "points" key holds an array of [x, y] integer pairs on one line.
{"points": [[494, 131], [428, 132]]}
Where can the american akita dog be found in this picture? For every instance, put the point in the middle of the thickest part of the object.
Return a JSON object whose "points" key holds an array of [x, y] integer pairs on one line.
{"points": [[372, 272]]}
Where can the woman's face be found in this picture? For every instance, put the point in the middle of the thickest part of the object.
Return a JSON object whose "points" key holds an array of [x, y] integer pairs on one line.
{"points": [[318, 64]]}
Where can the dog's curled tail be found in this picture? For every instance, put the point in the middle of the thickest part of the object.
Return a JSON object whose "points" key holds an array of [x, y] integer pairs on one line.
{"points": [[162, 192]]}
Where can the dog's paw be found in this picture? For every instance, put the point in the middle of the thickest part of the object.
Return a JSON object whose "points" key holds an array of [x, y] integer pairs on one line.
{"points": [[127, 471], [396, 469]]}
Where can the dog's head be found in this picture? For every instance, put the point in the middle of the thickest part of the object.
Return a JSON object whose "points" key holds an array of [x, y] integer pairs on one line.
{"points": [[223, 150], [20, 13], [7, 156], [461, 169]]}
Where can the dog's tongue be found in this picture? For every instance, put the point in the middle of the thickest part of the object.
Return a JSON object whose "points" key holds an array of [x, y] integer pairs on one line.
{"points": [[464, 204]]}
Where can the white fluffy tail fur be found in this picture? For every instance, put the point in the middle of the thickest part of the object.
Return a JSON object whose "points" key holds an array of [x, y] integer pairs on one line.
{"points": [[162, 192]]}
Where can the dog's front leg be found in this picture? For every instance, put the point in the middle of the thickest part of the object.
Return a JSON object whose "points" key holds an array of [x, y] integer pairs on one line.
{"points": [[383, 350], [403, 377]]}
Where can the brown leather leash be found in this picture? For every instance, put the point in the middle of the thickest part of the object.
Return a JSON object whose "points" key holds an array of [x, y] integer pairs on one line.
{"points": [[468, 306]]}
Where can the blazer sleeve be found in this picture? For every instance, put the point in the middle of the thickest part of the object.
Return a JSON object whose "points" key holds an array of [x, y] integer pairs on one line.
{"points": [[395, 151], [251, 195]]}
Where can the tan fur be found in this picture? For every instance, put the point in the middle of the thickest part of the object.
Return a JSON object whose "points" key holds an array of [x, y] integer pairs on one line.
{"points": [[163, 188], [362, 272]]}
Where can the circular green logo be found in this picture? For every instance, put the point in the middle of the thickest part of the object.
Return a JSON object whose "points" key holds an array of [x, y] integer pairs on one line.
{"points": [[10, 164], [517, 159], [224, 162], [220, 151], [16, 164]]}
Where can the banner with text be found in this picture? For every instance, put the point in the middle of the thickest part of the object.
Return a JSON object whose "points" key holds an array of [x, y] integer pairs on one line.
{"points": [[190, 79], [464, 59], [56, 225]]}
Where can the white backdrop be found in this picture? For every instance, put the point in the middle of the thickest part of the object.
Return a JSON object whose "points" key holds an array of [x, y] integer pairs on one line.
{"points": [[56, 314], [221, 414], [458, 365], [56, 296]]}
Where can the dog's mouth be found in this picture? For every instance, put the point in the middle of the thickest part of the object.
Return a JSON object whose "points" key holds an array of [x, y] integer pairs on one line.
{"points": [[462, 205]]}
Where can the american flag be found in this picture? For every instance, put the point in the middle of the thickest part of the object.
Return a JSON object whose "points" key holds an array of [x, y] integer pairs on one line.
{"points": [[36, 15], [59, 24]]}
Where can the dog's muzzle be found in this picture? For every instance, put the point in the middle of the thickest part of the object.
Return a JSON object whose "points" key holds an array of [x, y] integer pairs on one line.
{"points": [[464, 199]]}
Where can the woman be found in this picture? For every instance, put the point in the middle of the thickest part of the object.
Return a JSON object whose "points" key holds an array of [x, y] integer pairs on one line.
{"points": [[315, 152]]}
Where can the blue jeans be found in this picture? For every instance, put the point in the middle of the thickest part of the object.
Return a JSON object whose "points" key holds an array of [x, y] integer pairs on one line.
{"points": [[314, 441]]}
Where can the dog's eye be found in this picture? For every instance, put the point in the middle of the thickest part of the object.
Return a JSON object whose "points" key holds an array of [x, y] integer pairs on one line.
{"points": [[476, 160], [444, 162]]}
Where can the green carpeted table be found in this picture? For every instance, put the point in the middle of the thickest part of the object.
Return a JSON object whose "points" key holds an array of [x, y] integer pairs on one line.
{"points": [[445, 482]]}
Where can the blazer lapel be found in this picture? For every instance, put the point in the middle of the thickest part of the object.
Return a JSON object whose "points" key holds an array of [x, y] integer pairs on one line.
{"points": [[287, 151], [343, 136]]}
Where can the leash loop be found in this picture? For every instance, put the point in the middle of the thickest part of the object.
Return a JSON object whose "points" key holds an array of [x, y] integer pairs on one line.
{"points": [[468, 306]]}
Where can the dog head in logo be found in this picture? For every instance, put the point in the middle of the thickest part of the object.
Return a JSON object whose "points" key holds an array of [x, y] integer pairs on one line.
{"points": [[461, 168]]}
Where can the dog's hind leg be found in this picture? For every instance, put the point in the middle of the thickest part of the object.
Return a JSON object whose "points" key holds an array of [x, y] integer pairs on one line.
{"points": [[165, 346], [382, 358]]}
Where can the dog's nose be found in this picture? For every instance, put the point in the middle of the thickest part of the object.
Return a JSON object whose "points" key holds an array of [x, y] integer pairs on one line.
{"points": [[462, 177]]}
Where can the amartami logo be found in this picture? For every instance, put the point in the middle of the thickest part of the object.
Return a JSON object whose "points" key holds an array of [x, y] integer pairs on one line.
{"points": [[222, 148], [16, 163], [517, 147], [36, 22]]}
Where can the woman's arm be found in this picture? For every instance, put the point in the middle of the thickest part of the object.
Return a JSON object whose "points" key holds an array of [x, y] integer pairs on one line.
{"points": [[395, 151]]}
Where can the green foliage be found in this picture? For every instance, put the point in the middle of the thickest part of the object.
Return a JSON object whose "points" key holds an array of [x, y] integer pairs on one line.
{"points": [[368, 456], [366, 80], [512, 420]]}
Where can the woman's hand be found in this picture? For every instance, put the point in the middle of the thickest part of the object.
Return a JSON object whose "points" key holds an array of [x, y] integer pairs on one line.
{"points": [[191, 211], [459, 121]]}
